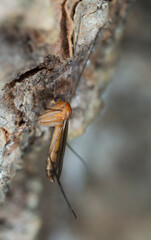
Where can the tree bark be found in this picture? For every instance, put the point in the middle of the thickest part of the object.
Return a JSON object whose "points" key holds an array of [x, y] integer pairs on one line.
{"points": [[41, 45]]}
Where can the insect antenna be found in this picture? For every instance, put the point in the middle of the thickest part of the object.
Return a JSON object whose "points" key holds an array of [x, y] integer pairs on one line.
{"points": [[73, 57], [63, 192], [87, 58]]}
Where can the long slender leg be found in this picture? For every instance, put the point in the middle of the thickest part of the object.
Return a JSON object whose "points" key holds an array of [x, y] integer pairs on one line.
{"points": [[48, 115], [51, 123], [78, 156], [64, 195]]}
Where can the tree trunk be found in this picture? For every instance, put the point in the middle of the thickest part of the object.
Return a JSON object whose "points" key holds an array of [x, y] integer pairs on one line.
{"points": [[43, 43]]}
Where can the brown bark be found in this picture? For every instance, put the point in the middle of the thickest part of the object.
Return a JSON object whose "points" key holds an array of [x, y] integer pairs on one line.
{"points": [[36, 51]]}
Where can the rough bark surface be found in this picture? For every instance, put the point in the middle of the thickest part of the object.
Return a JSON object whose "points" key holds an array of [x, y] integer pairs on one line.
{"points": [[37, 41]]}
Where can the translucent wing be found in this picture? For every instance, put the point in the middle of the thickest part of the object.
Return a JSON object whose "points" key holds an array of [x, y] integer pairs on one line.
{"points": [[62, 149]]}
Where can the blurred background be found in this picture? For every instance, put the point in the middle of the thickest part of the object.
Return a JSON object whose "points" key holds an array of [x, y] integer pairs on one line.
{"points": [[112, 198]]}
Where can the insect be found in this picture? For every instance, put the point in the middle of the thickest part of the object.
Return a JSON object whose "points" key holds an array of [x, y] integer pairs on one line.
{"points": [[57, 117]]}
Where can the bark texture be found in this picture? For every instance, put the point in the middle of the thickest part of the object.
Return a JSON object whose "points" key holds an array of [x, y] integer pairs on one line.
{"points": [[37, 41]]}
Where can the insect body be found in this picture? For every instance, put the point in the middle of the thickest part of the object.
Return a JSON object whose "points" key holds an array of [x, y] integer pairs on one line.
{"points": [[56, 117]]}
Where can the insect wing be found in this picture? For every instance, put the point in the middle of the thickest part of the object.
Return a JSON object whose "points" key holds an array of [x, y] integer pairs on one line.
{"points": [[62, 149]]}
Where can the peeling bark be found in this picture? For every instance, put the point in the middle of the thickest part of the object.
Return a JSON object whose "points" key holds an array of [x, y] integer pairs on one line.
{"points": [[37, 42]]}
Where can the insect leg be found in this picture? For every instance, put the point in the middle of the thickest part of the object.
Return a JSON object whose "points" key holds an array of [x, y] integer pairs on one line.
{"points": [[78, 156], [47, 116], [51, 123], [64, 195]]}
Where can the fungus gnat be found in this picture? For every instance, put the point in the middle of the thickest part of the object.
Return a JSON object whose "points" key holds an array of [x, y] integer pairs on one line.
{"points": [[57, 116]]}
